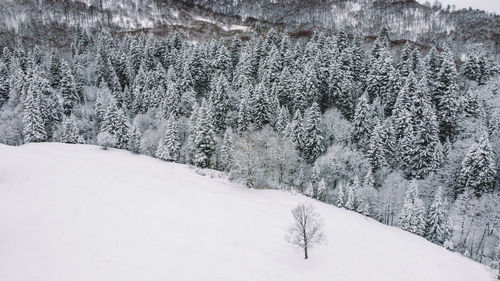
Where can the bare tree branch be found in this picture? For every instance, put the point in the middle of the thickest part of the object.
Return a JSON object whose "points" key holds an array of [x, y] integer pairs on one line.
{"points": [[306, 229]]}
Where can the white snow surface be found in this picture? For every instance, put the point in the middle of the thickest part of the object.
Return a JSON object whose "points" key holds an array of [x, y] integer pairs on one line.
{"points": [[76, 212], [225, 27]]}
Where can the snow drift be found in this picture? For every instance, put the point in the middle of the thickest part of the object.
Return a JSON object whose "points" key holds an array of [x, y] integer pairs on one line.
{"points": [[76, 212]]}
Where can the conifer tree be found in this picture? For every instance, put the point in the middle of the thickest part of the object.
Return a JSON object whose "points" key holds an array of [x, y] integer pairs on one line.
{"points": [[412, 217], [431, 69], [170, 146], [244, 112], [80, 81], [70, 132], [243, 76], [258, 54], [204, 139], [295, 130], [199, 71], [381, 78], [17, 81], [227, 150], [405, 64], [259, 102], [358, 58], [99, 108], [383, 36], [312, 138], [377, 151], [55, 70], [307, 91], [116, 87], [219, 97], [273, 106], [486, 68], [315, 174], [221, 63], [33, 129], [192, 132], [342, 40], [272, 39], [122, 69], [48, 101], [363, 122], [4, 83], [172, 101], [418, 130], [477, 170], [270, 70], [138, 91], [404, 107], [352, 200], [285, 87], [300, 180], [406, 151], [321, 193], [102, 69], [368, 181], [343, 97], [340, 196], [115, 124], [186, 83], [282, 121], [368, 196], [235, 51], [390, 141], [438, 225], [448, 106], [134, 141], [309, 192], [364, 209], [36, 56], [428, 154], [67, 84], [475, 67]]}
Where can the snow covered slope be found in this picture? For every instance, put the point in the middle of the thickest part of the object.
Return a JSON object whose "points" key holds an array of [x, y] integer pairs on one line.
{"points": [[76, 212]]}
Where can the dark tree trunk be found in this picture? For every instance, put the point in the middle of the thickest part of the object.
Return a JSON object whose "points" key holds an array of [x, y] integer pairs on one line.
{"points": [[305, 253]]}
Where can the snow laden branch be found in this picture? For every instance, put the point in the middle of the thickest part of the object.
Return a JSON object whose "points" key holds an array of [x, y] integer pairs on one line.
{"points": [[306, 229]]}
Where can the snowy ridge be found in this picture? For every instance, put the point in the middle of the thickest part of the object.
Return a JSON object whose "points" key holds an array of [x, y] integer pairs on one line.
{"points": [[407, 20], [76, 212]]}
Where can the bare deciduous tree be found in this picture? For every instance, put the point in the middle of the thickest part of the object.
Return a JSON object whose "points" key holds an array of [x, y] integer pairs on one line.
{"points": [[306, 229]]}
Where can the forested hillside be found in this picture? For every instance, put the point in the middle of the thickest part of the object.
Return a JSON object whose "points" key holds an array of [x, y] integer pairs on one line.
{"points": [[408, 138], [53, 22]]}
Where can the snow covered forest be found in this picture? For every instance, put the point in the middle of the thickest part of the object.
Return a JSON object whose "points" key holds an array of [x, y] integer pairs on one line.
{"points": [[409, 138]]}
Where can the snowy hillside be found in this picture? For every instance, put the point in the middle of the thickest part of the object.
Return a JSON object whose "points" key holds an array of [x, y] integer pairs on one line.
{"points": [[76, 212], [48, 21]]}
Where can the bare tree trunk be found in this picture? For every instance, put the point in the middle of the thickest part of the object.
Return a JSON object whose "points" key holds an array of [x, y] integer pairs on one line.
{"points": [[281, 174], [469, 231], [482, 253], [304, 236], [306, 230], [481, 240]]}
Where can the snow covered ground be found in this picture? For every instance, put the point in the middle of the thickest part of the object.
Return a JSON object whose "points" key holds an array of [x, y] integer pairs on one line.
{"points": [[76, 212], [225, 27]]}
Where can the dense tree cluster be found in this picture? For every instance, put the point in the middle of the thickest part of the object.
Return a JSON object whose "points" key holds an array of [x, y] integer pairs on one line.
{"points": [[360, 125]]}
